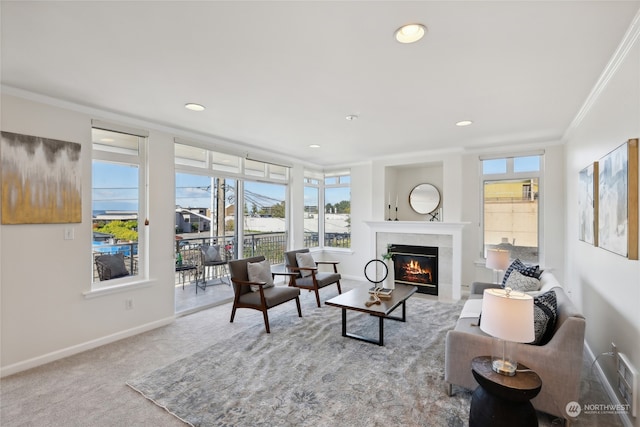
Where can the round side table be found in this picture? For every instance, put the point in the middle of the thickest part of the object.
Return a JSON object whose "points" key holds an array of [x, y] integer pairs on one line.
{"points": [[500, 400]]}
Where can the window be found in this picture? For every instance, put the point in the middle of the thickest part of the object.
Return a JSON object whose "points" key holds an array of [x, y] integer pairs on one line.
{"points": [[222, 197], [337, 210], [311, 212], [510, 211], [118, 195]]}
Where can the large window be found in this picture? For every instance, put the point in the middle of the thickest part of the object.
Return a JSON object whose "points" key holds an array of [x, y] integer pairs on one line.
{"points": [[216, 190], [511, 201], [118, 207], [337, 210], [311, 212]]}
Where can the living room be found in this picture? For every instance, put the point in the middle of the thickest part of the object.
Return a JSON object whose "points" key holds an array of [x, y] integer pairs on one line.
{"points": [[50, 311]]}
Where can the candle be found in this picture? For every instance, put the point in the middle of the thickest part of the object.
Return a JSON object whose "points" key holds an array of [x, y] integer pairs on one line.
{"points": [[396, 200], [389, 200]]}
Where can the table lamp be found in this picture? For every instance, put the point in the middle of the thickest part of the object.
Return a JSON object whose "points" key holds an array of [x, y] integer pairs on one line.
{"points": [[508, 317], [497, 260]]}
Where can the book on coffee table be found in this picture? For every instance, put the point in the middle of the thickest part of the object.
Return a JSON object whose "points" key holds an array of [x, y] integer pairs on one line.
{"points": [[380, 291]]}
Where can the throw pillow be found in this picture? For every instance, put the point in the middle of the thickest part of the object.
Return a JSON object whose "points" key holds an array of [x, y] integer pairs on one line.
{"points": [[519, 282], [518, 265], [304, 259], [545, 315], [211, 253], [260, 272], [114, 264]]}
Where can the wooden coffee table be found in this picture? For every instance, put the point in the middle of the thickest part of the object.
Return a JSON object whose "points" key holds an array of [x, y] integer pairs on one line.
{"points": [[355, 300]]}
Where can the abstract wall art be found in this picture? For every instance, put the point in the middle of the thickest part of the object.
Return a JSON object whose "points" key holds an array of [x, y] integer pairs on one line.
{"points": [[588, 204], [618, 200], [41, 180]]}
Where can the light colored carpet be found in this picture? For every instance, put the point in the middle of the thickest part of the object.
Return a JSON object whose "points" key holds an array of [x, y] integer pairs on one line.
{"points": [[89, 390], [312, 376]]}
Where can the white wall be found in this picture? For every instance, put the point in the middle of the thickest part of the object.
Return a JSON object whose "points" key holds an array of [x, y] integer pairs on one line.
{"points": [[605, 286], [44, 314]]}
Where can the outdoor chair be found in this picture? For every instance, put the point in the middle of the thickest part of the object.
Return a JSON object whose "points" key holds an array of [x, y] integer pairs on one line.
{"points": [[212, 257], [307, 275], [253, 287], [112, 266]]}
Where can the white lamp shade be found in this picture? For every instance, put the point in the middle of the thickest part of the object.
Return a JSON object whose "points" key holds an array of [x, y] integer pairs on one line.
{"points": [[497, 259], [507, 315]]}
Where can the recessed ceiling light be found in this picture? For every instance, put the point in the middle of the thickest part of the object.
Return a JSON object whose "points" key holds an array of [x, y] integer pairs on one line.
{"points": [[351, 117], [464, 123], [314, 146], [194, 107], [410, 33]]}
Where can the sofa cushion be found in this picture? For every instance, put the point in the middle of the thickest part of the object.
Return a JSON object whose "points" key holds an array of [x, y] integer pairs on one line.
{"points": [[114, 264], [519, 282], [545, 314], [527, 270], [305, 260], [260, 272]]}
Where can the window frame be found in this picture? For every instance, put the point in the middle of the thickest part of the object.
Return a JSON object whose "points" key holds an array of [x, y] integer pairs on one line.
{"points": [[343, 180], [510, 175], [139, 160]]}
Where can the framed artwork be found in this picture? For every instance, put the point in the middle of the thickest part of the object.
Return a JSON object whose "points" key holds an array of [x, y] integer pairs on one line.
{"points": [[41, 180], [618, 200], [588, 204]]}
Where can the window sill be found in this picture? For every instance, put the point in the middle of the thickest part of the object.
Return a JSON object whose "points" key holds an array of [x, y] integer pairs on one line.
{"points": [[114, 289]]}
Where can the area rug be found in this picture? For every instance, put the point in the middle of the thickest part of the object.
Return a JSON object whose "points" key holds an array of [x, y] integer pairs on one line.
{"points": [[306, 374]]}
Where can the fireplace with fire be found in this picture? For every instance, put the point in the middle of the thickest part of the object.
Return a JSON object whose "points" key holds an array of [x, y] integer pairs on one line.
{"points": [[416, 265]]}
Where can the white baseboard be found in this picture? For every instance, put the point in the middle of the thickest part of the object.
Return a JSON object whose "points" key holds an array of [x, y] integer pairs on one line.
{"points": [[625, 418], [79, 348]]}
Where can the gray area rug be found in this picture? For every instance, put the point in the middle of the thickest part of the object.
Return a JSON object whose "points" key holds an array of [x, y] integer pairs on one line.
{"points": [[306, 374]]}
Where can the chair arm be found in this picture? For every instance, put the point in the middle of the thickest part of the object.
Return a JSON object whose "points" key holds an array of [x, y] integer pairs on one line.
{"points": [[247, 283], [479, 287]]}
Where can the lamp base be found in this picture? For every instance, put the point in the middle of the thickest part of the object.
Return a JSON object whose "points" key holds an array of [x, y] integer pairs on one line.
{"points": [[504, 367]]}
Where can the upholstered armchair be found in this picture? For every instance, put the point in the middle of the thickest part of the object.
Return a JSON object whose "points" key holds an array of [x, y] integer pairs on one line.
{"points": [[307, 274], [254, 288]]}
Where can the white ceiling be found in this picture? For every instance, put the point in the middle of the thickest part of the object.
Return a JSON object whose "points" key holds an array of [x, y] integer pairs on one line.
{"points": [[280, 76]]}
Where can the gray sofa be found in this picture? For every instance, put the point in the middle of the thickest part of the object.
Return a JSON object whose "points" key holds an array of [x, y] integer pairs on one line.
{"points": [[558, 362]]}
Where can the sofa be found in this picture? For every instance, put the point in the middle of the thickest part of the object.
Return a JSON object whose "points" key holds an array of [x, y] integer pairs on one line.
{"points": [[558, 362]]}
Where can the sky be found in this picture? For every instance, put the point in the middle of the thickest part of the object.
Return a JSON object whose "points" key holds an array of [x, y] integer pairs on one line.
{"points": [[115, 188]]}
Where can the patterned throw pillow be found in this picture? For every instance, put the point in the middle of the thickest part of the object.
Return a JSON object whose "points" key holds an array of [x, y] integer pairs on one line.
{"points": [[211, 253], [527, 270], [545, 315], [519, 282], [305, 259], [260, 272]]}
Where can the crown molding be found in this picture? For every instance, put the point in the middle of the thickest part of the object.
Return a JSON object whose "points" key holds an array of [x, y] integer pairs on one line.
{"points": [[619, 56]]}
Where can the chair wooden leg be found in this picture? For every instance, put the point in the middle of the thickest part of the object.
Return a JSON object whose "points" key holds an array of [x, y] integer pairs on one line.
{"points": [[317, 297], [233, 314], [298, 305], [339, 289], [266, 320]]}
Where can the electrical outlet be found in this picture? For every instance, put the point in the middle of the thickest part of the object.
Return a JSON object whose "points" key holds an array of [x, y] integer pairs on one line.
{"points": [[128, 304]]}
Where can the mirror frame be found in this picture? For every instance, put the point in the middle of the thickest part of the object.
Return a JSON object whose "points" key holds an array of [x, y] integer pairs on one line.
{"points": [[424, 198]]}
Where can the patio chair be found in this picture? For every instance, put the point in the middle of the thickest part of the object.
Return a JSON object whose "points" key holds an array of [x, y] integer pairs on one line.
{"points": [[253, 288], [308, 277], [112, 266], [212, 257]]}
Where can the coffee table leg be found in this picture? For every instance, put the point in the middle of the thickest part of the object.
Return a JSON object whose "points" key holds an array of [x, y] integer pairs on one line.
{"points": [[344, 322], [381, 332]]}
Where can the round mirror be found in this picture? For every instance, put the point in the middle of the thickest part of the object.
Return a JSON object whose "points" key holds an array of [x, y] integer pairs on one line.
{"points": [[424, 198]]}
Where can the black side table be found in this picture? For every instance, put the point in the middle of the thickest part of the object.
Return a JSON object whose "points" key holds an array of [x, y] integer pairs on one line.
{"points": [[501, 400]]}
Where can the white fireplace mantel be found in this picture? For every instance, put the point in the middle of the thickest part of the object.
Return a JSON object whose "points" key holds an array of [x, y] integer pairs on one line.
{"points": [[453, 229]]}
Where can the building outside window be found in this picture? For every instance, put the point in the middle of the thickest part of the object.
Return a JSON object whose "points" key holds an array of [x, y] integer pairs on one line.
{"points": [[118, 204], [511, 194]]}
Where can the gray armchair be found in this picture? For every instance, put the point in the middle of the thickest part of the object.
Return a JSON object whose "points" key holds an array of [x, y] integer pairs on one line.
{"points": [[307, 275], [258, 294]]}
